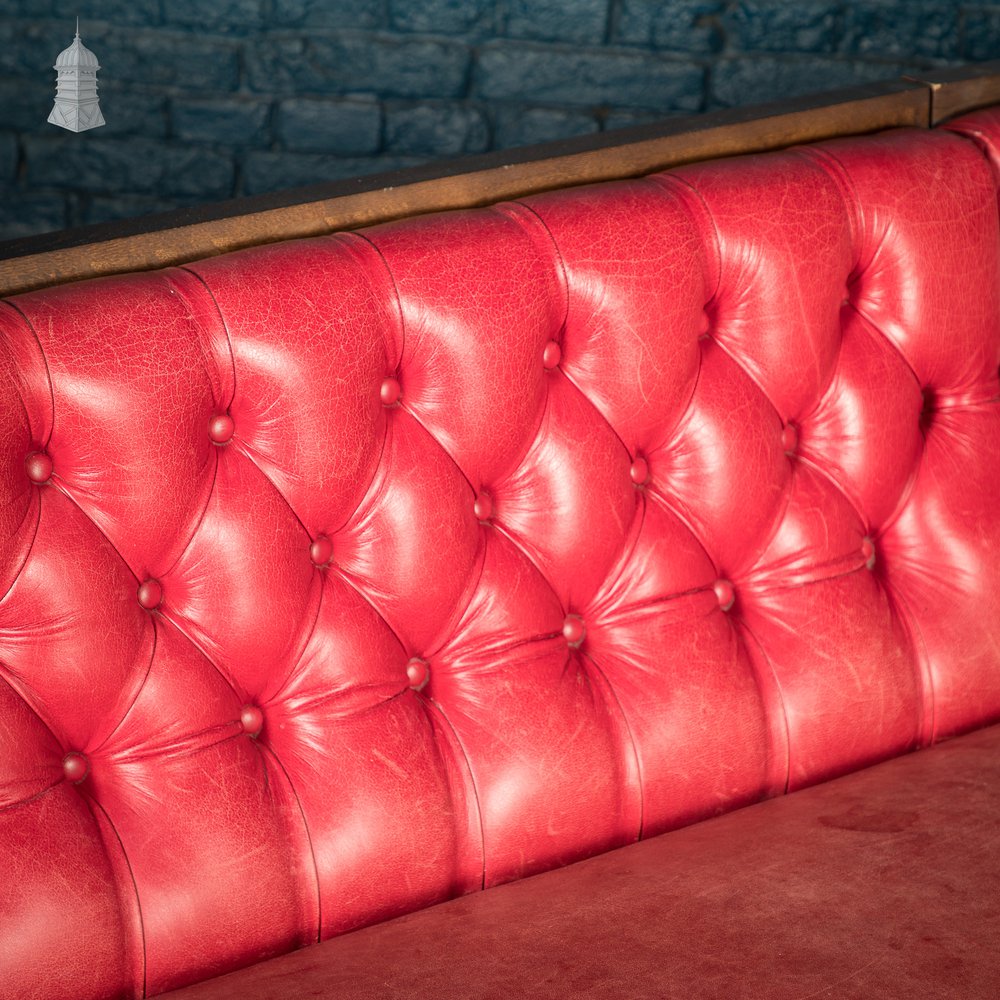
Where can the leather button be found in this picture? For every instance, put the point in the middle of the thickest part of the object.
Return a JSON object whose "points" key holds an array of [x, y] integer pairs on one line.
{"points": [[639, 472], [252, 720], [789, 439], [552, 355], [76, 767], [38, 466], [868, 551], [704, 325], [321, 551], [390, 391], [483, 507], [574, 630], [724, 593], [150, 594], [221, 428], [418, 673]]}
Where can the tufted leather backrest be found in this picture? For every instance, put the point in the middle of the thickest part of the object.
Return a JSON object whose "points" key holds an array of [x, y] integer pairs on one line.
{"points": [[347, 575]]}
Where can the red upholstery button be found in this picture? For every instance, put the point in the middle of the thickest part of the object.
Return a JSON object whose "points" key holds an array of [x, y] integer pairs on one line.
{"points": [[574, 630], [704, 325], [724, 593], [150, 594], [418, 673], [789, 439], [252, 720], [552, 354], [76, 767], [639, 471], [390, 391], [38, 466], [221, 428], [321, 551], [868, 551], [483, 507]]}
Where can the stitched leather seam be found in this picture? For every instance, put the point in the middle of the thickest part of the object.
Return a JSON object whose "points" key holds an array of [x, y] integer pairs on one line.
{"points": [[560, 260], [431, 705], [48, 371], [93, 805], [223, 325], [744, 632]]}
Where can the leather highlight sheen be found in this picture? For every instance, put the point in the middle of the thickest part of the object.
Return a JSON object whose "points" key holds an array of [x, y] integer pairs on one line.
{"points": [[345, 576]]}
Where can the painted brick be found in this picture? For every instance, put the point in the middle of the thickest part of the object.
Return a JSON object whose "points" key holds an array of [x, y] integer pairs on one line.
{"points": [[224, 121], [32, 212], [445, 16], [755, 79], [235, 17], [103, 209], [346, 127], [902, 30], [131, 111], [684, 25], [29, 48], [358, 61], [429, 130], [286, 64], [166, 59], [562, 76], [121, 166], [144, 12], [795, 27], [327, 13], [627, 119], [524, 126], [26, 104], [416, 69], [8, 157], [584, 21], [980, 38], [28, 8], [264, 170]]}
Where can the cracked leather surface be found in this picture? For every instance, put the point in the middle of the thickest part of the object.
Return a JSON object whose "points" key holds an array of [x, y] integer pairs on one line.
{"points": [[345, 576]]}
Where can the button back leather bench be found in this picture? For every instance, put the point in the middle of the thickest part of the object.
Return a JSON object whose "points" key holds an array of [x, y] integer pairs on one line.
{"points": [[345, 576]]}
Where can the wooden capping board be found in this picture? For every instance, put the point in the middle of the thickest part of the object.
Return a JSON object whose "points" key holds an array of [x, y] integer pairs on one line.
{"points": [[961, 89], [186, 235]]}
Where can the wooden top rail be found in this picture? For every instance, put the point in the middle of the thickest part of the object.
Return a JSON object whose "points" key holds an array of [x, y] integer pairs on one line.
{"points": [[189, 234]]}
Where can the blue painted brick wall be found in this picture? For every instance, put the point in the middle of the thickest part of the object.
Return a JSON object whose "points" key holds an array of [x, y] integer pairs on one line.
{"points": [[211, 99]]}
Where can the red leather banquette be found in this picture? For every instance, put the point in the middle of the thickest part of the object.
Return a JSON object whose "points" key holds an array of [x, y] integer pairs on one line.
{"points": [[344, 576]]}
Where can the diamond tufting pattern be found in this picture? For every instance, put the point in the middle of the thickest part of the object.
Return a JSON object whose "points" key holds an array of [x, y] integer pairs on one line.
{"points": [[343, 576]]}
